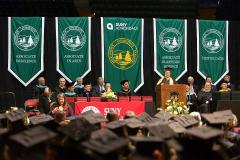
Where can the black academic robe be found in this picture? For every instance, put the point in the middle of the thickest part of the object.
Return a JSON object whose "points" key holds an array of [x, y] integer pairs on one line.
{"points": [[203, 97], [38, 90], [125, 93], [96, 92], [87, 94], [44, 103], [60, 90]]}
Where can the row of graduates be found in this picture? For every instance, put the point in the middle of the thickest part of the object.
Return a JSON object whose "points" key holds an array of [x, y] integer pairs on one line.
{"points": [[51, 101], [199, 97]]}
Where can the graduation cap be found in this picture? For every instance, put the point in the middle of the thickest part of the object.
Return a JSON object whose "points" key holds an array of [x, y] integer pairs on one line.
{"points": [[164, 116], [105, 142], [145, 117], [161, 130], [123, 82], [16, 115], [95, 118], [204, 132], [118, 127], [214, 119], [227, 114], [134, 123], [71, 84], [176, 127], [186, 120], [33, 136], [116, 124], [77, 130], [39, 119], [146, 145]]}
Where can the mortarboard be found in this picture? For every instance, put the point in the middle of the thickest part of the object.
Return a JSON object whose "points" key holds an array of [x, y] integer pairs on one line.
{"points": [[33, 136], [77, 130], [204, 132], [161, 130], [16, 115], [145, 117], [134, 123], [186, 120], [105, 142], [176, 127], [42, 118], [164, 116], [214, 119], [95, 118], [118, 127]]}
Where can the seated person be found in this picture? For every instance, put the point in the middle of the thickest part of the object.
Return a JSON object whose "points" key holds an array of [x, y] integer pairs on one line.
{"points": [[87, 92], [39, 88], [61, 105], [45, 101], [79, 87], [61, 88], [204, 97], [125, 91], [108, 94], [191, 98], [70, 90], [98, 89], [224, 87]]}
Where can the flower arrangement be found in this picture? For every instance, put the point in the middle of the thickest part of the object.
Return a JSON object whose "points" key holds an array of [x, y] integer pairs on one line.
{"points": [[109, 96], [177, 108]]}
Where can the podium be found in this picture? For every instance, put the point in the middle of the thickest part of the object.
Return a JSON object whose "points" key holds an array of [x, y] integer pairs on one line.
{"points": [[163, 93]]}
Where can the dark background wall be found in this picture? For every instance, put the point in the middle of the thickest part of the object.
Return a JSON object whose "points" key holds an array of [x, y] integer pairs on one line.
{"points": [[10, 83]]}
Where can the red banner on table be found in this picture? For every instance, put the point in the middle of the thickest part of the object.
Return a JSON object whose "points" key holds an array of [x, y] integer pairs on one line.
{"points": [[104, 107]]}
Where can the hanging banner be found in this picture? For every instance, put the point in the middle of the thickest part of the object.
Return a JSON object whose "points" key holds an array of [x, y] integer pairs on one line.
{"points": [[25, 47], [73, 45], [212, 49], [170, 46], [122, 51]]}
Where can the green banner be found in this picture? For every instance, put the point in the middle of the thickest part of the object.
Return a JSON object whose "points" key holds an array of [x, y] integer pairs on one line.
{"points": [[212, 49], [73, 44], [170, 41], [122, 51], [25, 47]]}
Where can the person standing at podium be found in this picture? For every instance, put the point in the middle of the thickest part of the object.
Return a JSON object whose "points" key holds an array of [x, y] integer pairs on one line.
{"points": [[167, 79]]}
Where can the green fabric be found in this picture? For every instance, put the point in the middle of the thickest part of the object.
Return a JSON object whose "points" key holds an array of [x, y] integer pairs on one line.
{"points": [[122, 51], [25, 47], [212, 49], [73, 49], [170, 50]]}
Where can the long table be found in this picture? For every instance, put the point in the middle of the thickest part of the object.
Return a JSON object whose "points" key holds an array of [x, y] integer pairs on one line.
{"points": [[104, 107]]}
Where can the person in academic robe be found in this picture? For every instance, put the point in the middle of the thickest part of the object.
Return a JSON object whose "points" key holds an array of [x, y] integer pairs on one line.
{"points": [[191, 98], [61, 105], [79, 87], [224, 87], [70, 90], [98, 89], [227, 79], [167, 79], [193, 88], [39, 88], [61, 88], [204, 98], [213, 87], [45, 101], [87, 90], [125, 91]]}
